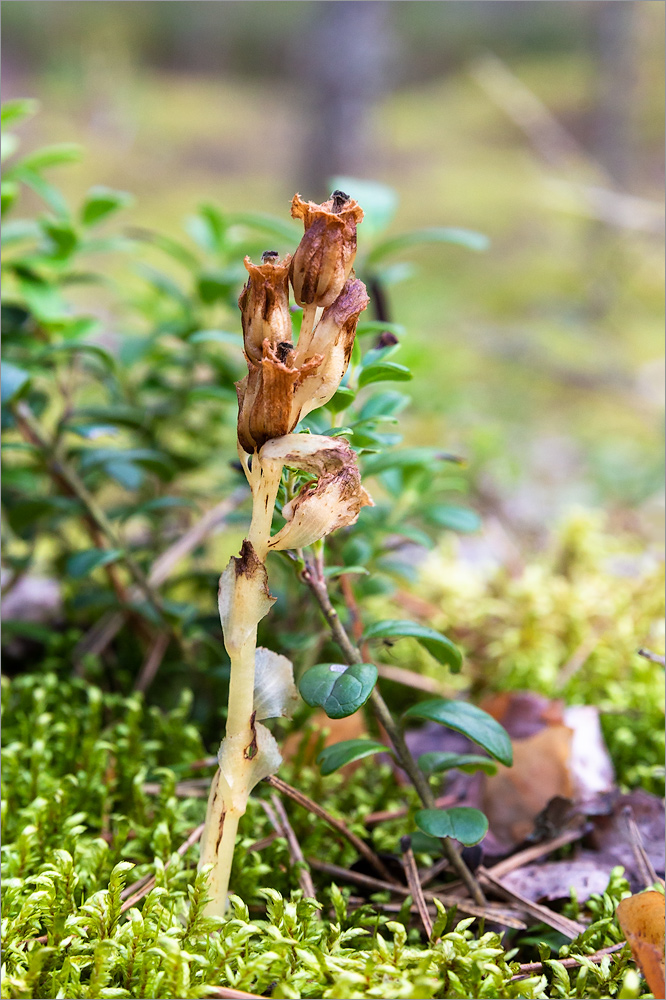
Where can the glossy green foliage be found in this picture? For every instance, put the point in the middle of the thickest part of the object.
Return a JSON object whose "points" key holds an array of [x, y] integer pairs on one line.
{"points": [[466, 825], [469, 720], [340, 690], [125, 344], [346, 752]]}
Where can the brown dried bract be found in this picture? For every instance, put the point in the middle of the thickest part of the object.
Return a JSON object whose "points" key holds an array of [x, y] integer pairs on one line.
{"points": [[267, 407], [264, 305], [325, 256]]}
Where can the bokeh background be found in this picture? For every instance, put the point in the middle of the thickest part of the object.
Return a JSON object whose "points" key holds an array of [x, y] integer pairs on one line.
{"points": [[539, 124]]}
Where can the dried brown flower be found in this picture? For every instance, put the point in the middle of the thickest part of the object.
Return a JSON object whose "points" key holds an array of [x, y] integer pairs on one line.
{"points": [[334, 501], [325, 256], [286, 383], [264, 304]]}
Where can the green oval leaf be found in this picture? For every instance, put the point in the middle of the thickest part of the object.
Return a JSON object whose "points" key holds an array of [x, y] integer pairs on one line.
{"points": [[469, 826], [102, 201], [436, 761], [17, 111], [442, 234], [460, 519], [384, 371], [343, 753], [469, 720], [52, 156], [437, 644], [215, 337], [338, 689], [379, 202], [13, 379], [341, 399], [83, 563], [334, 571]]}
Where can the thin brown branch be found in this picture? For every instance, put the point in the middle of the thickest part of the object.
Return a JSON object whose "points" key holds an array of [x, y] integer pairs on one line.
{"points": [[165, 564], [285, 829], [384, 815], [316, 581], [570, 928], [652, 657], [409, 678], [293, 793], [530, 854], [105, 631], [152, 662], [68, 479], [411, 871], [430, 874], [507, 917], [569, 963], [643, 863]]}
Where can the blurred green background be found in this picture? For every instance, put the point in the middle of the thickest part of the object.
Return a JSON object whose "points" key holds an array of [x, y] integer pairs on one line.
{"points": [[539, 124]]}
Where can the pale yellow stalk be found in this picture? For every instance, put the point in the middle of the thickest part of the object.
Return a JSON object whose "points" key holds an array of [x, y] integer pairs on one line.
{"points": [[230, 790]]}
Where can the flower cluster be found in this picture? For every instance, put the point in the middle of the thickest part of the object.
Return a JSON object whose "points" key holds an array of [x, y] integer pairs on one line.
{"points": [[285, 381]]}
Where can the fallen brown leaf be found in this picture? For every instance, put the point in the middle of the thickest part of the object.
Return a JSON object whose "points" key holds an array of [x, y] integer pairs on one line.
{"points": [[554, 879], [641, 918], [514, 796]]}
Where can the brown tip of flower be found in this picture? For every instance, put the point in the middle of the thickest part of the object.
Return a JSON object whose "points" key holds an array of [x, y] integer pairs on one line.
{"points": [[339, 199], [283, 349]]}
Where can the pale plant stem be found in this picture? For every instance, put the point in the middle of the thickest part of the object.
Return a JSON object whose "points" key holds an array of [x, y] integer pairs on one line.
{"points": [[308, 323], [229, 792]]}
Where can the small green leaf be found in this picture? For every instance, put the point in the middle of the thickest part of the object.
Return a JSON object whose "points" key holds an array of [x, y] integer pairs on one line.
{"points": [[264, 223], [437, 761], [469, 826], [460, 519], [339, 689], [52, 156], [49, 194], [214, 337], [334, 571], [379, 202], [10, 144], [437, 644], [341, 399], [407, 458], [339, 754], [83, 563], [17, 111], [417, 237], [13, 380], [62, 237], [43, 299], [9, 194], [469, 720], [102, 201], [384, 371]]}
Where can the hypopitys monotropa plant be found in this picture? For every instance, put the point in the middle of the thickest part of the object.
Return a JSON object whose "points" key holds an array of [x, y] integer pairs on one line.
{"points": [[285, 381]]}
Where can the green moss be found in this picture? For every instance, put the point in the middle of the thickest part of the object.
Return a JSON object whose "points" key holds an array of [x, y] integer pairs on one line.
{"points": [[76, 809]]}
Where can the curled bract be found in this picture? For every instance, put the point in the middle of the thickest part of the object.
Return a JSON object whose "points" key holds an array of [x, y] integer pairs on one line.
{"points": [[275, 693], [243, 597], [325, 256], [333, 501]]}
